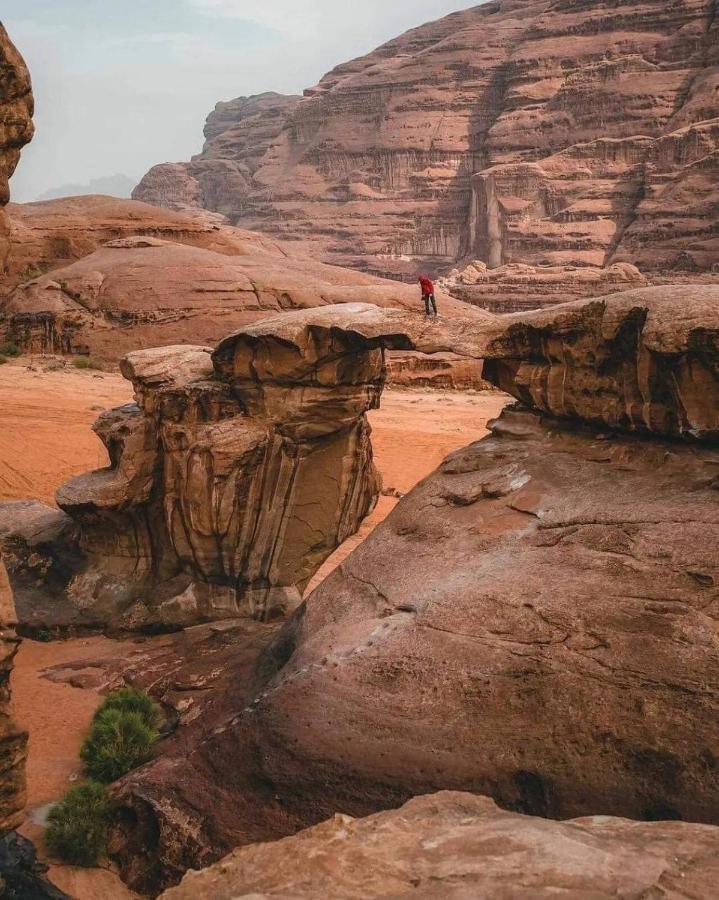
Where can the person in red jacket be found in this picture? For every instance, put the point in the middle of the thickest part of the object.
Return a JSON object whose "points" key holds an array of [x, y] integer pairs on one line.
{"points": [[428, 294]]}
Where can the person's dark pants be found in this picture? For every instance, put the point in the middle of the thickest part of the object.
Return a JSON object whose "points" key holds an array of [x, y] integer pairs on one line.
{"points": [[429, 301]]}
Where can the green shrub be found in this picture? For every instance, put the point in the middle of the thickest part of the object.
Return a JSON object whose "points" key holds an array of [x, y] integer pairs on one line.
{"points": [[130, 700], [9, 349], [3, 359], [118, 742], [77, 826], [84, 362]]}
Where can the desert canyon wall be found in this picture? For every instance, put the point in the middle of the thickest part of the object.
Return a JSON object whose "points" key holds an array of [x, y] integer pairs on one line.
{"points": [[16, 106], [548, 133]]}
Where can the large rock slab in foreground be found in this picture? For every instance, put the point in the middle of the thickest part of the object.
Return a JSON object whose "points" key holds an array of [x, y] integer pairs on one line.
{"points": [[535, 622], [453, 846]]}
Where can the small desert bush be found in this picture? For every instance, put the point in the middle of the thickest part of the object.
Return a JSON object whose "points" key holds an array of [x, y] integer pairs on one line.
{"points": [[9, 349], [122, 737], [130, 700], [77, 827], [3, 359], [84, 362]]}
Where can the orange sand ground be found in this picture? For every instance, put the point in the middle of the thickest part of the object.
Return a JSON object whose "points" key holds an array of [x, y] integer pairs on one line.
{"points": [[45, 438]]}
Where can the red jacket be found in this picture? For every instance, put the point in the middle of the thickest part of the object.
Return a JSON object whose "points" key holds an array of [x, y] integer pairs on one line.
{"points": [[427, 286]]}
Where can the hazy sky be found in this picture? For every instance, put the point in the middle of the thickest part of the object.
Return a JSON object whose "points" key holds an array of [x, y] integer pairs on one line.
{"points": [[123, 84]]}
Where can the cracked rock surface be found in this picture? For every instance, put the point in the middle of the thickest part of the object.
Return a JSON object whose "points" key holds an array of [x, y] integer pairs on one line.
{"points": [[453, 846]]}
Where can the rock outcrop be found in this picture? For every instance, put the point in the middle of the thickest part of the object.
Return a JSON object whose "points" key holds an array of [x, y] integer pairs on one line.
{"points": [[238, 134], [13, 741], [519, 287], [142, 291], [16, 128], [232, 479], [545, 633], [456, 846], [537, 132], [55, 233]]}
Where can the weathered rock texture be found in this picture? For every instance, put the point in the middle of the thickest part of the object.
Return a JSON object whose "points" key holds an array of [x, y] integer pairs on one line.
{"points": [[457, 846], [542, 132], [16, 128], [16, 107], [143, 291], [230, 483], [518, 287], [545, 632], [13, 742], [222, 178], [56, 233]]}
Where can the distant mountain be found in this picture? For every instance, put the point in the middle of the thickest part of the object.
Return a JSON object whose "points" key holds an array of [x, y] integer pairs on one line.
{"points": [[112, 185]]}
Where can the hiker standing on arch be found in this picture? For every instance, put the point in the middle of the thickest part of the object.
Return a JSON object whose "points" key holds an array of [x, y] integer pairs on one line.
{"points": [[430, 303]]}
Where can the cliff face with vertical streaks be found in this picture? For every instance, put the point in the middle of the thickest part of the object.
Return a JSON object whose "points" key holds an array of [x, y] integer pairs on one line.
{"points": [[545, 132]]}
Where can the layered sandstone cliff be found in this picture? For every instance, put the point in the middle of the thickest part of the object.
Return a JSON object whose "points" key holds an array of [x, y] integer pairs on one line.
{"points": [[542, 132], [16, 128]]}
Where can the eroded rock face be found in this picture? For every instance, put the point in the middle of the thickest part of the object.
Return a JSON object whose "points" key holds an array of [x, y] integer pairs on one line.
{"points": [[519, 287], [459, 846], [222, 178], [534, 622], [16, 108], [230, 482], [145, 291], [55, 233], [544, 634], [16, 128], [640, 361], [13, 742], [518, 131]]}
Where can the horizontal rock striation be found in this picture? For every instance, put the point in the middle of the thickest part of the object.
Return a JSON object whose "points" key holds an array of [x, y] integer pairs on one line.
{"points": [[641, 361], [56, 233], [238, 135], [457, 846], [537, 132]]}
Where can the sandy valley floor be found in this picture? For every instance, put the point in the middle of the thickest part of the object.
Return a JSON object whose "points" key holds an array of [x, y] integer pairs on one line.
{"points": [[45, 438]]}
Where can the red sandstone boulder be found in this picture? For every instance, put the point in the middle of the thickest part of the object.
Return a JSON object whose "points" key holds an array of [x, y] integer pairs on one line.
{"points": [[453, 846]]}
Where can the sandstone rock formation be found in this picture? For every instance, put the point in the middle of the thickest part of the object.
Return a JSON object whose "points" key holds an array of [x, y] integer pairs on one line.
{"points": [[518, 287], [519, 131], [238, 135], [56, 233], [16, 107], [144, 291], [534, 622], [456, 846], [230, 481], [16, 128], [13, 742]]}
